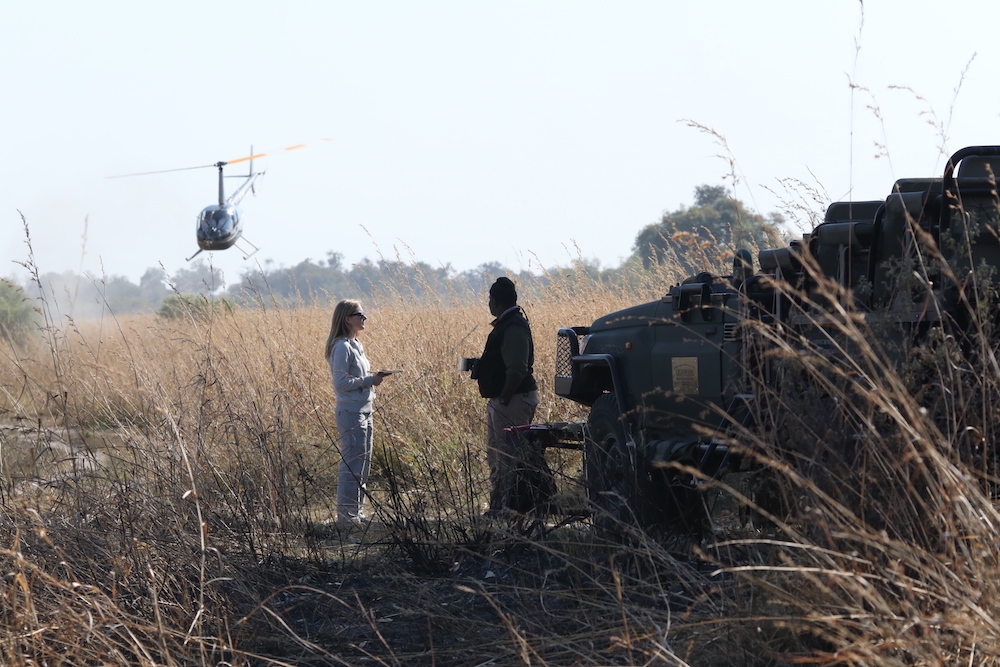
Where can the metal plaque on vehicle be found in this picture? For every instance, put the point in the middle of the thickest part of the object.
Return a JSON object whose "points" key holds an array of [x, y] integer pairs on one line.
{"points": [[685, 375]]}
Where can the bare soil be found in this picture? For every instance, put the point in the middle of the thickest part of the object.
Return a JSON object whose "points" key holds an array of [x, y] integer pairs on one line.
{"points": [[556, 597]]}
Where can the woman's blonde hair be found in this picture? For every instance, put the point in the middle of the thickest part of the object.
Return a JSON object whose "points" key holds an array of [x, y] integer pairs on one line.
{"points": [[338, 327]]}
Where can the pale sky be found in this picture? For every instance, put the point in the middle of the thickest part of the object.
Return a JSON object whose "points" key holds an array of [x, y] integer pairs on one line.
{"points": [[527, 133]]}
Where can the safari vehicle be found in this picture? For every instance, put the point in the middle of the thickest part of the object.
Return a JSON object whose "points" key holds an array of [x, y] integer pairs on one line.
{"points": [[669, 382]]}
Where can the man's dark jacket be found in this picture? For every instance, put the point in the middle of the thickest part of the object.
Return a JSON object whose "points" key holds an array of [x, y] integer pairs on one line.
{"points": [[491, 371]]}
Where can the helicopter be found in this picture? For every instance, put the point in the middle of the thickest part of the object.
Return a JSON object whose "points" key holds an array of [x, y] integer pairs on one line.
{"points": [[220, 226]]}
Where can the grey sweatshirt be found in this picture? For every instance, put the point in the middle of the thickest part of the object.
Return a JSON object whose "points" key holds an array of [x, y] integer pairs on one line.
{"points": [[352, 380]]}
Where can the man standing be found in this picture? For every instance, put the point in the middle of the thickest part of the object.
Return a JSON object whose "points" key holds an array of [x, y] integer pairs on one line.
{"points": [[504, 373]]}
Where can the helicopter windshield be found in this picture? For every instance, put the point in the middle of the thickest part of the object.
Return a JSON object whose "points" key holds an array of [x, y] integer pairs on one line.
{"points": [[218, 223]]}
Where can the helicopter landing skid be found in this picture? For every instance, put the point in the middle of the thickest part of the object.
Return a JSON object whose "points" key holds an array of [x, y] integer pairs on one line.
{"points": [[247, 255]]}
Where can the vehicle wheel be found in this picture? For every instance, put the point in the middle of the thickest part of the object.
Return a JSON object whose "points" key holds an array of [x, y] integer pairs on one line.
{"points": [[769, 495], [609, 470], [673, 505]]}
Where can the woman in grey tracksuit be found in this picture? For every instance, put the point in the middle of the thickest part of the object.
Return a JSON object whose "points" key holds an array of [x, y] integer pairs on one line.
{"points": [[353, 384]]}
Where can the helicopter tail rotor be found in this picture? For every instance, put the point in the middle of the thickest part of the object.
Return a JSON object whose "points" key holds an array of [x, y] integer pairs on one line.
{"points": [[253, 189]]}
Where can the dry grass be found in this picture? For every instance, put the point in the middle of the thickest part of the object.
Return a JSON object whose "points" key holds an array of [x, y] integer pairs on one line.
{"points": [[883, 443], [161, 479], [164, 487]]}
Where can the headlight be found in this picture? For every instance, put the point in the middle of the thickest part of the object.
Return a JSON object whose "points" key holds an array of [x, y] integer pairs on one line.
{"points": [[583, 343]]}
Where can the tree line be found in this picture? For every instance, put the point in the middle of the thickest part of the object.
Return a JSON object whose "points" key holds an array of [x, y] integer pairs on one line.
{"points": [[681, 239]]}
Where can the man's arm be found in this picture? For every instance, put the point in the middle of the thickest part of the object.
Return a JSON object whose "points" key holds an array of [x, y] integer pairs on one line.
{"points": [[515, 349], [509, 387]]}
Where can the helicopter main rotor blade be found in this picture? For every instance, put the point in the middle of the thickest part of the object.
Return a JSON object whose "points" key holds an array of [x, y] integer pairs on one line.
{"points": [[219, 164], [164, 171], [289, 148]]}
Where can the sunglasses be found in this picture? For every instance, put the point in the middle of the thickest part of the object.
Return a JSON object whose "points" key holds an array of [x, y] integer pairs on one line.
{"points": [[361, 315]]}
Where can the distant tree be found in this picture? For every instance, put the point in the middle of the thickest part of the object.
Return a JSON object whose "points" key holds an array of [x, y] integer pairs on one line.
{"points": [[153, 286], [59, 288], [334, 260], [17, 312], [717, 220], [197, 306], [393, 277], [310, 281], [197, 278], [88, 296], [303, 282], [120, 295], [574, 281], [479, 279]]}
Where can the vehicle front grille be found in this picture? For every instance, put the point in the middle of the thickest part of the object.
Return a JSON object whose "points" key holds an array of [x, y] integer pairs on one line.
{"points": [[564, 353]]}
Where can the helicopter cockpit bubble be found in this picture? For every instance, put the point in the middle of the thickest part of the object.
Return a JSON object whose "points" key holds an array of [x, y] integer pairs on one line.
{"points": [[218, 227]]}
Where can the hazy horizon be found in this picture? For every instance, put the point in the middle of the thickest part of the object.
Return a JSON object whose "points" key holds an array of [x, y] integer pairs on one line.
{"points": [[530, 134]]}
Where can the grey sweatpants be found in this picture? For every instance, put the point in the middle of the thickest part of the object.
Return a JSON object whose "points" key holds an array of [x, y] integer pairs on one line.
{"points": [[355, 462]]}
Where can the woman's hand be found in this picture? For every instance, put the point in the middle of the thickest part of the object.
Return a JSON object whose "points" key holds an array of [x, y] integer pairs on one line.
{"points": [[377, 379]]}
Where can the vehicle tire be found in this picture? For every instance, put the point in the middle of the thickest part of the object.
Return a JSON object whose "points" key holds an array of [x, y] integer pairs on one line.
{"points": [[609, 470], [769, 494], [669, 504]]}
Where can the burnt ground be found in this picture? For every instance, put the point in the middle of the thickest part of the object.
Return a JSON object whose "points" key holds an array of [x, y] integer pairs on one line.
{"points": [[509, 594], [417, 592]]}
